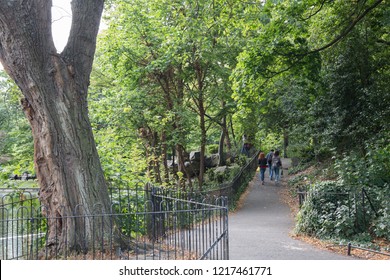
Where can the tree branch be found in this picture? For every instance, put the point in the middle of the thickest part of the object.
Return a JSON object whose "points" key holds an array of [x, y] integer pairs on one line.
{"points": [[342, 35], [346, 31], [81, 45], [316, 12]]}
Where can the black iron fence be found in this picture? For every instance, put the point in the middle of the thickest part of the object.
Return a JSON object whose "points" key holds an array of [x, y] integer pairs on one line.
{"points": [[155, 223], [238, 185], [362, 209], [360, 203], [349, 248], [147, 224]]}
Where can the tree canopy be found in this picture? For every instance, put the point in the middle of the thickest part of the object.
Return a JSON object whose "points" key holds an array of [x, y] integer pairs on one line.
{"points": [[170, 77]]}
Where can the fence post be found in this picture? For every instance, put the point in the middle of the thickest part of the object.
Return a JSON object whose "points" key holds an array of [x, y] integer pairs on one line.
{"points": [[349, 249], [149, 211], [369, 201], [300, 196], [364, 209], [155, 216]]}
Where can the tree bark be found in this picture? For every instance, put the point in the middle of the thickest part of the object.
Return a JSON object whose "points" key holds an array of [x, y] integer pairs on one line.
{"points": [[223, 138], [55, 102], [285, 141], [202, 141], [181, 166], [164, 156]]}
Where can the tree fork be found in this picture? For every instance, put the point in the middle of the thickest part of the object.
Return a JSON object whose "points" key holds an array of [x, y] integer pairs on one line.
{"points": [[55, 89]]}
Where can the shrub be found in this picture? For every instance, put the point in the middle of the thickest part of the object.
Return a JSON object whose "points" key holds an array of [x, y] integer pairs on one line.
{"points": [[212, 149], [326, 212], [329, 212]]}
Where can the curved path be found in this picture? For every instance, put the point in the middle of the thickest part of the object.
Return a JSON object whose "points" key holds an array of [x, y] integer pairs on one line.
{"points": [[260, 228]]}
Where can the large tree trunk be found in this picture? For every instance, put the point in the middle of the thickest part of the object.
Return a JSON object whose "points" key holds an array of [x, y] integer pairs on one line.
{"points": [[55, 102]]}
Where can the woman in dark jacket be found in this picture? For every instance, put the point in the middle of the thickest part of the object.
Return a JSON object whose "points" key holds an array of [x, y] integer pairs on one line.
{"points": [[263, 166], [276, 165]]}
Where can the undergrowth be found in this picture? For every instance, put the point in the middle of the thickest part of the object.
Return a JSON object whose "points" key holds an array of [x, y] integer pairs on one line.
{"points": [[346, 199]]}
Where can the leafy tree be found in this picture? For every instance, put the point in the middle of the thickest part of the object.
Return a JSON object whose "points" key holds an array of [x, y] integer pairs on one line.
{"points": [[55, 86], [173, 61], [355, 94], [16, 146], [292, 51], [321, 66]]}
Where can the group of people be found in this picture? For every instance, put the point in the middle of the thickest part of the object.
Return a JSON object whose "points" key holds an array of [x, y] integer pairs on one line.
{"points": [[273, 162]]}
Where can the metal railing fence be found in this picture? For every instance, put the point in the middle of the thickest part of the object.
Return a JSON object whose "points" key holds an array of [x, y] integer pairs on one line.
{"points": [[360, 203], [152, 227], [157, 223], [237, 186]]}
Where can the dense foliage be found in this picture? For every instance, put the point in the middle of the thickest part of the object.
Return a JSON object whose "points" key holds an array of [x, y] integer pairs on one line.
{"points": [[16, 147], [355, 205], [307, 77]]}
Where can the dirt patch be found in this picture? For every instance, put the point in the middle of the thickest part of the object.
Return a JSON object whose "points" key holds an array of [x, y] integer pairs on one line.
{"points": [[289, 199], [343, 250]]}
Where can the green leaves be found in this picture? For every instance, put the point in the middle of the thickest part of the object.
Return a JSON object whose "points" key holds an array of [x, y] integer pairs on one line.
{"points": [[356, 204], [16, 144]]}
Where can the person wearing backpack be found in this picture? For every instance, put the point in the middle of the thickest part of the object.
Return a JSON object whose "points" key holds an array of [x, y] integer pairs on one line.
{"points": [[263, 166], [269, 161], [276, 165]]}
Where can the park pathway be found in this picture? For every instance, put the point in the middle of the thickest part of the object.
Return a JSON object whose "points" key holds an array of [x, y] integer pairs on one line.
{"points": [[260, 229]]}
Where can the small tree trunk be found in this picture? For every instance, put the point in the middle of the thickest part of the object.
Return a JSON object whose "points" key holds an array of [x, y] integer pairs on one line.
{"points": [[285, 142], [233, 135], [181, 166], [224, 135], [165, 157], [156, 158], [202, 145]]}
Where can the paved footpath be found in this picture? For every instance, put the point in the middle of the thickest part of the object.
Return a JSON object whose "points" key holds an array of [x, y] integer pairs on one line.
{"points": [[260, 228]]}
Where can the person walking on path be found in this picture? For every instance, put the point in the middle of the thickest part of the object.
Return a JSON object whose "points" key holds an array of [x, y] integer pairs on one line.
{"points": [[262, 226], [263, 166], [276, 165], [269, 161]]}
